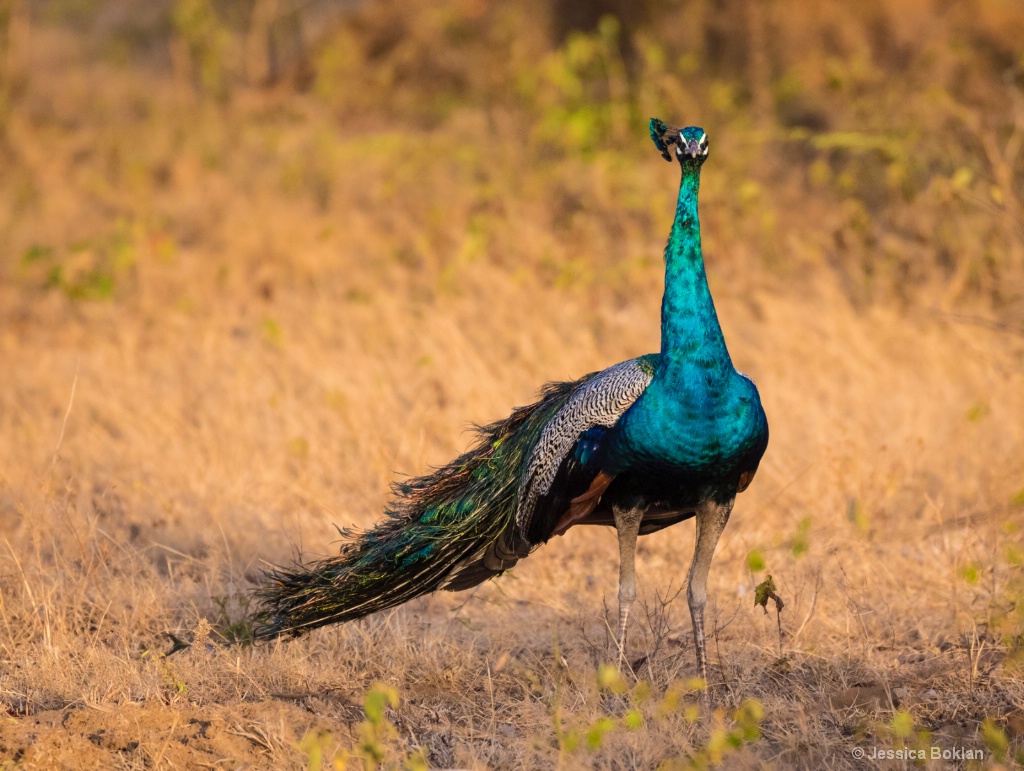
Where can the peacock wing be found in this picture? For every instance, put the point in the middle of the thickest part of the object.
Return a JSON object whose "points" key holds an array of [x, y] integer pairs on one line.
{"points": [[562, 480]]}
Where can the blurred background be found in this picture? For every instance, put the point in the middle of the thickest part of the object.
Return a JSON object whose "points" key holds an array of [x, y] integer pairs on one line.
{"points": [[880, 143], [259, 257]]}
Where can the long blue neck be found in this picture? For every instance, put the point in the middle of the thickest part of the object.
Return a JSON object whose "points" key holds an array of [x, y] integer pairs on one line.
{"points": [[690, 333]]}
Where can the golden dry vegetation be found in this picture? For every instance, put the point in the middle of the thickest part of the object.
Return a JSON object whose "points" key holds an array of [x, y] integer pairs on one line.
{"points": [[255, 263]]}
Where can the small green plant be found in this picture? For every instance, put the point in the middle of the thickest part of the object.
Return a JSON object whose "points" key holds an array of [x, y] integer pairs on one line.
{"points": [[995, 740], [96, 269], [755, 561], [858, 517], [35, 253], [745, 728], [272, 332], [971, 573], [205, 42], [765, 591], [800, 543], [635, 708], [582, 90], [976, 412], [376, 728], [902, 724], [376, 733], [315, 745], [234, 629], [172, 680]]}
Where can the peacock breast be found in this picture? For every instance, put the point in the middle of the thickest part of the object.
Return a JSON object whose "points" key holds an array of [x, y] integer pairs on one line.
{"points": [[693, 429]]}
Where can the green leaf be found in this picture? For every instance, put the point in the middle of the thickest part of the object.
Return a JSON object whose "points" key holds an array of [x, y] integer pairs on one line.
{"points": [[971, 573], [1014, 556], [312, 746], [35, 253], [857, 516], [416, 762], [755, 561], [633, 720], [378, 699], [696, 684], [902, 723], [570, 741], [976, 412], [610, 679], [763, 591], [750, 711], [272, 332], [995, 739], [669, 703], [595, 736], [800, 543], [641, 692], [962, 177]]}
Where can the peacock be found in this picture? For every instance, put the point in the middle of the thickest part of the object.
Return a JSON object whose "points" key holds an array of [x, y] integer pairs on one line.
{"points": [[639, 446]]}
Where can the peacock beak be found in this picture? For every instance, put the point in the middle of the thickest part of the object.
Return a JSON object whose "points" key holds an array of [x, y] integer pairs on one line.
{"points": [[691, 148]]}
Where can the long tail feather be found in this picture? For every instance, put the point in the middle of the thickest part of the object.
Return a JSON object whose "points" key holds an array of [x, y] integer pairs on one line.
{"points": [[450, 529]]}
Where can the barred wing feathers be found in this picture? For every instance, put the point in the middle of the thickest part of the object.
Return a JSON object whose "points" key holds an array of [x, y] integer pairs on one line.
{"points": [[564, 466]]}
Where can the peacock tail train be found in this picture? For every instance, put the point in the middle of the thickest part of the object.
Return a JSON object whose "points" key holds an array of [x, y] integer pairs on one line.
{"points": [[451, 529]]}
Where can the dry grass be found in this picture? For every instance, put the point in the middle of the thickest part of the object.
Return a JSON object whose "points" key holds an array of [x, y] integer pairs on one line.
{"points": [[228, 317]]}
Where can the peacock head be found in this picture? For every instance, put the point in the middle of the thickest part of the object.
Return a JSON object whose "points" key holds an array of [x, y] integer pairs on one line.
{"points": [[691, 143]]}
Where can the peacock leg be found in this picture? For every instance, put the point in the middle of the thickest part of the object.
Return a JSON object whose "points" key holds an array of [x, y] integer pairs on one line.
{"points": [[711, 520], [627, 524]]}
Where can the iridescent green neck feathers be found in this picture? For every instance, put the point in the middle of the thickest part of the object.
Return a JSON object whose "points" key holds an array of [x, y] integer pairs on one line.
{"points": [[690, 332]]}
